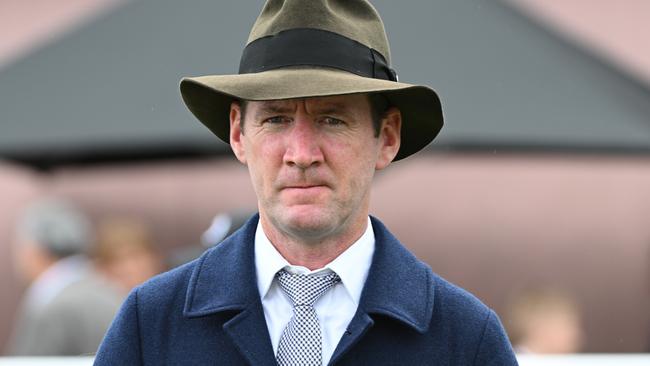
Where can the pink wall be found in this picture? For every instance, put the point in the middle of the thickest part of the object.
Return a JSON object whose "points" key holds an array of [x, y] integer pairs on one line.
{"points": [[497, 224], [493, 224]]}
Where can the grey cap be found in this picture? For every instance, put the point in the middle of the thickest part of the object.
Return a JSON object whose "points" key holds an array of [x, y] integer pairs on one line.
{"points": [[56, 226]]}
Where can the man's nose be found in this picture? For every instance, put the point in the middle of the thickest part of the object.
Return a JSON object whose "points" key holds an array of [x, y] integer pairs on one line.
{"points": [[303, 144]]}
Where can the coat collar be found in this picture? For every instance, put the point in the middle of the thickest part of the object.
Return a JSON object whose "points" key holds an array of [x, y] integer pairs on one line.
{"points": [[224, 276], [223, 280], [399, 286]]}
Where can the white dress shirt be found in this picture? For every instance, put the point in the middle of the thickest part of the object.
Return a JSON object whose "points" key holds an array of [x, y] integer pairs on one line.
{"points": [[334, 309]]}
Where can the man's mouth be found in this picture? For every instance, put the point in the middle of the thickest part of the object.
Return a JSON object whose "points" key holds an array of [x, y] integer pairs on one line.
{"points": [[305, 189], [305, 186]]}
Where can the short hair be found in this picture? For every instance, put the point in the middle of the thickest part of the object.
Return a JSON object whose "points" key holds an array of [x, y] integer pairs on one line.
{"points": [[379, 104], [119, 235], [57, 227], [536, 303]]}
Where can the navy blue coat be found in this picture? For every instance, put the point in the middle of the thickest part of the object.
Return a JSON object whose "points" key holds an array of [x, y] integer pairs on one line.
{"points": [[208, 312]]}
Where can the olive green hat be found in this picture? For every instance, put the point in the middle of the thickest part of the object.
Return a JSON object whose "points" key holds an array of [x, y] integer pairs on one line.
{"points": [[309, 48]]}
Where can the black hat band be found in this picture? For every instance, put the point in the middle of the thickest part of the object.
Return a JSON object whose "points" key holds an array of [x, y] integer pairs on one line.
{"points": [[314, 47]]}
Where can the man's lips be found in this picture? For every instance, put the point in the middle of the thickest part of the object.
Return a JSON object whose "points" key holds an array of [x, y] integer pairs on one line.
{"points": [[304, 193], [304, 186]]}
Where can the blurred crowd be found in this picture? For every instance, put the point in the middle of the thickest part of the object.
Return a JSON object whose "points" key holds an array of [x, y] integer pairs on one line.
{"points": [[76, 277], [77, 274]]}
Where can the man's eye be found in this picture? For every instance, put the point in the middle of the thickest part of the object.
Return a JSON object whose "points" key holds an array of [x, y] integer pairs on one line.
{"points": [[276, 120], [332, 121]]}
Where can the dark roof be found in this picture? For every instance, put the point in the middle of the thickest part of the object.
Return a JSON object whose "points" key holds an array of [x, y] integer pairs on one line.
{"points": [[110, 90]]}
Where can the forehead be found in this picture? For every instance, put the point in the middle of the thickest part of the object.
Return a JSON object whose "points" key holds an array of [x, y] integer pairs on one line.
{"points": [[343, 103]]}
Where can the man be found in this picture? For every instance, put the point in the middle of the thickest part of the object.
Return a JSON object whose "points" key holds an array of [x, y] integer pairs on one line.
{"points": [[312, 279], [67, 307]]}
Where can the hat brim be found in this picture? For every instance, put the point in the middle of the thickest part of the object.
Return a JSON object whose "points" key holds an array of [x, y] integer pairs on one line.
{"points": [[209, 98]]}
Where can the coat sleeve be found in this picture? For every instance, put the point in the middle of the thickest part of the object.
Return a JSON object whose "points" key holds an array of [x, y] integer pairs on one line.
{"points": [[121, 344], [495, 348]]}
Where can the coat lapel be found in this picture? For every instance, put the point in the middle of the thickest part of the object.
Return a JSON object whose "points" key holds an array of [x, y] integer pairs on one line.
{"points": [[249, 333], [399, 286], [224, 281]]}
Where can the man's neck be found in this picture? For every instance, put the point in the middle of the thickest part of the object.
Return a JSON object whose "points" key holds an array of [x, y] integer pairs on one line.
{"points": [[310, 253]]}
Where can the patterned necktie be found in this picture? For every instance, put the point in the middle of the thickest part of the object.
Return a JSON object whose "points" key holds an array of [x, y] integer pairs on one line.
{"points": [[300, 343]]}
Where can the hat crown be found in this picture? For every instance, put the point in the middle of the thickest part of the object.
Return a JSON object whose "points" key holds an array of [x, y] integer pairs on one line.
{"points": [[354, 19]]}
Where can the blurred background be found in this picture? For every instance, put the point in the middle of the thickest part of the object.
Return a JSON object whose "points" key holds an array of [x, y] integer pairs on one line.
{"points": [[535, 197]]}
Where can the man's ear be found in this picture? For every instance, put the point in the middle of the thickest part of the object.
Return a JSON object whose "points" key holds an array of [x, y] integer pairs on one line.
{"points": [[389, 137], [236, 132]]}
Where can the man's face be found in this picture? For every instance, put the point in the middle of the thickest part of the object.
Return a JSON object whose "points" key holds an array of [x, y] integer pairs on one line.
{"points": [[312, 161]]}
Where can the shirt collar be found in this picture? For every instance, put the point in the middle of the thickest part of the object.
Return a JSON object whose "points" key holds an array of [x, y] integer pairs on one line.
{"points": [[268, 261], [352, 265]]}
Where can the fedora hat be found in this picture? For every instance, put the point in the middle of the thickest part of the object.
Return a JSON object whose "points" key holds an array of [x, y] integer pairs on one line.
{"points": [[310, 48]]}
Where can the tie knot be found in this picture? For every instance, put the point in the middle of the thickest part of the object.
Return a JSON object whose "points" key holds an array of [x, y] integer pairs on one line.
{"points": [[305, 289]]}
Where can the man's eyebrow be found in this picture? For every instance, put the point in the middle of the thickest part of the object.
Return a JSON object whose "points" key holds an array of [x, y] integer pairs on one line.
{"points": [[272, 108], [284, 108], [331, 108]]}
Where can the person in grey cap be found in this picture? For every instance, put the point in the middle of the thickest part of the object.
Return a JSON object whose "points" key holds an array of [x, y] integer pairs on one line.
{"points": [[314, 112], [67, 308]]}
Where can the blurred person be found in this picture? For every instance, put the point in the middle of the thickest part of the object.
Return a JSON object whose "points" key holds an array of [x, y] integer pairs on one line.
{"points": [[221, 226], [545, 321], [67, 307], [125, 252], [312, 279]]}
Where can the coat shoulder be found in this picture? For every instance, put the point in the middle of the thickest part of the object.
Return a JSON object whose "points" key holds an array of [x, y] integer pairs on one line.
{"points": [[469, 324], [455, 301], [173, 286], [167, 285]]}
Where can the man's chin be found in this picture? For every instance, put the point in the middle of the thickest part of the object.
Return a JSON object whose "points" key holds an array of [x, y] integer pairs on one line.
{"points": [[308, 224]]}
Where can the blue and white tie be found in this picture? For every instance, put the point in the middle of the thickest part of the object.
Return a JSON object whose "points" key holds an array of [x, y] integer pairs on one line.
{"points": [[301, 343]]}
